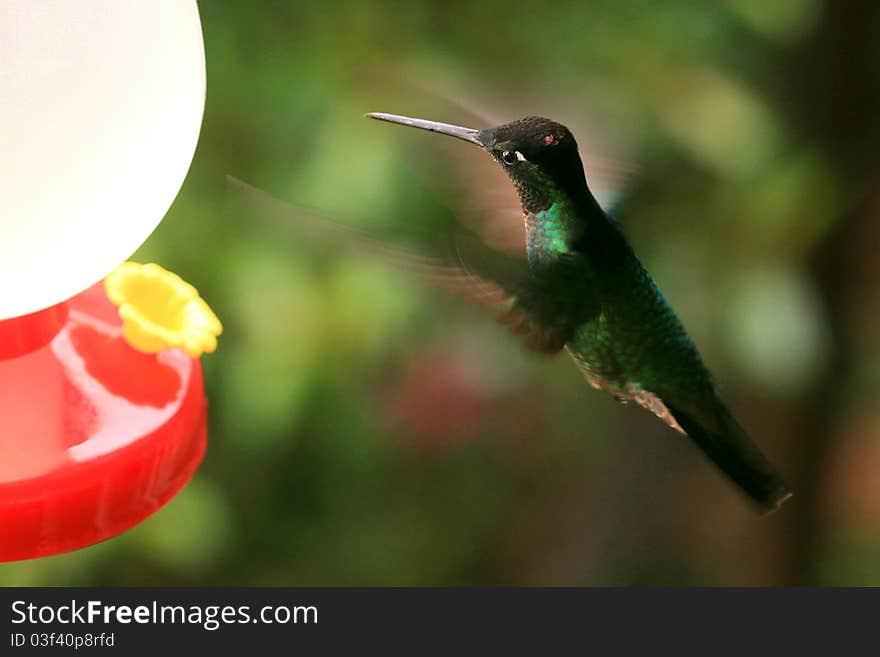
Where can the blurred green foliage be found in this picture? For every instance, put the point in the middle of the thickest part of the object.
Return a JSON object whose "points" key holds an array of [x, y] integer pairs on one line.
{"points": [[366, 429]]}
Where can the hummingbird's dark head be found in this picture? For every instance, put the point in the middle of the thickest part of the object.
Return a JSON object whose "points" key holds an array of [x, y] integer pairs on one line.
{"points": [[540, 155]]}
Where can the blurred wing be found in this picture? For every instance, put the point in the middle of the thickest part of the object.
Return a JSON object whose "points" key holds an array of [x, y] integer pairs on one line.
{"points": [[543, 308]]}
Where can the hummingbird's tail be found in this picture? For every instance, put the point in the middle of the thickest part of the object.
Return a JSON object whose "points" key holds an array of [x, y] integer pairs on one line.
{"points": [[731, 449]]}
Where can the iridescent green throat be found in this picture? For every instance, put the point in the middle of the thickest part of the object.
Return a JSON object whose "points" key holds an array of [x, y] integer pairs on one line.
{"points": [[550, 232]]}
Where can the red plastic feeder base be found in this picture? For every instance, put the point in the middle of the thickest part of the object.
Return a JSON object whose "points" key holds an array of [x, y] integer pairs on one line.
{"points": [[94, 436]]}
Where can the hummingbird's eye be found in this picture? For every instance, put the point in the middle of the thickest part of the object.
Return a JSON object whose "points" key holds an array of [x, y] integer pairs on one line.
{"points": [[511, 157]]}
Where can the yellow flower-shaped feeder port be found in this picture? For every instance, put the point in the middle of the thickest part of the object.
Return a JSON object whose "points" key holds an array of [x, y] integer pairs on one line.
{"points": [[159, 310]]}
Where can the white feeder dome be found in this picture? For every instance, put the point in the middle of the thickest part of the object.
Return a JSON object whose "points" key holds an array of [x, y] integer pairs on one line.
{"points": [[100, 108]]}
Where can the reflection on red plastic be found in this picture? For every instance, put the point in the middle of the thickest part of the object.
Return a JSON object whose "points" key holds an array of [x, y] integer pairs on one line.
{"points": [[94, 436], [145, 380], [22, 335]]}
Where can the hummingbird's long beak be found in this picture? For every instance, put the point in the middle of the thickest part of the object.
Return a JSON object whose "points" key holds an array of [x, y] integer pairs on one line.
{"points": [[468, 134]]}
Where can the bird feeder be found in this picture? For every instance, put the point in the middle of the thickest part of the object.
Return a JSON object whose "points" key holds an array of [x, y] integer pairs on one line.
{"points": [[102, 405]]}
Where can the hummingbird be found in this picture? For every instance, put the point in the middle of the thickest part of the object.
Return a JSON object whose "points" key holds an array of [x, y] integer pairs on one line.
{"points": [[582, 289]]}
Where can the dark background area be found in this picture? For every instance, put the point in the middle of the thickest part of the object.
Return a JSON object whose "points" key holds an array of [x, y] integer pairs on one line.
{"points": [[369, 429]]}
